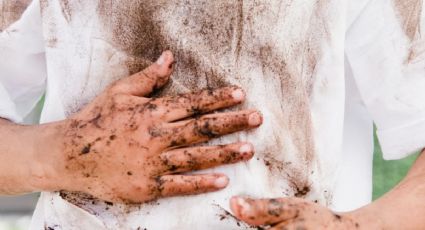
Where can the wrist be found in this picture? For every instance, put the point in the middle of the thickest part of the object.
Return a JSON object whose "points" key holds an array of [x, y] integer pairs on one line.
{"points": [[24, 167], [47, 157], [366, 217]]}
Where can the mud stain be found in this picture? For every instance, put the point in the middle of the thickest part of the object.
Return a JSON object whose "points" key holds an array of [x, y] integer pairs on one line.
{"points": [[11, 11], [138, 30], [417, 50], [409, 14], [228, 32], [212, 41], [66, 9]]}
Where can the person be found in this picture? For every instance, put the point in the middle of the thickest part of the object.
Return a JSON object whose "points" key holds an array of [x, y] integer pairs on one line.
{"points": [[318, 71]]}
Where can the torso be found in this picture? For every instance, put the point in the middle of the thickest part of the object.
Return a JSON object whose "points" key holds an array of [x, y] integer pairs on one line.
{"points": [[278, 51]]}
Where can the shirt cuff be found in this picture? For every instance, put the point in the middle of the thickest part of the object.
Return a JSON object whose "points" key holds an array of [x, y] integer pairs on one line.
{"points": [[400, 142]]}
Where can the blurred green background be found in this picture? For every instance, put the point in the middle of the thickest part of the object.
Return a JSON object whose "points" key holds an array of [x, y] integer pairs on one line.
{"points": [[386, 174]]}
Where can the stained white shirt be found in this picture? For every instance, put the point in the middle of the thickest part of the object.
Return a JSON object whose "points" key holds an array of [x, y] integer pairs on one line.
{"points": [[320, 72]]}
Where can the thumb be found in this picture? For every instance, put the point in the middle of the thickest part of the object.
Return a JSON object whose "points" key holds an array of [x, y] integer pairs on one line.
{"points": [[264, 211], [144, 82]]}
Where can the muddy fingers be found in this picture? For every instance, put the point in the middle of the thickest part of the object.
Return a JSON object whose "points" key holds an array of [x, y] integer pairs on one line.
{"points": [[197, 158], [182, 106], [146, 81], [264, 211], [212, 126], [178, 185]]}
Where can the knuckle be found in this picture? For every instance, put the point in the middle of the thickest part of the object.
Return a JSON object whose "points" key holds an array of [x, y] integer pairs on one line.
{"points": [[156, 131], [191, 161], [169, 163], [205, 127], [150, 74], [119, 98], [158, 187], [148, 77], [229, 156], [148, 192], [115, 87]]}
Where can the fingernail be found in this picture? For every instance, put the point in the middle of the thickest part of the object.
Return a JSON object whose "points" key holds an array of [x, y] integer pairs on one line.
{"points": [[255, 119], [246, 150], [238, 95], [221, 182], [161, 59]]}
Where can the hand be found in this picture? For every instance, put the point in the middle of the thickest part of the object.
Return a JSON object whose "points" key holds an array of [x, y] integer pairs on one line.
{"points": [[126, 147], [289, 213]]}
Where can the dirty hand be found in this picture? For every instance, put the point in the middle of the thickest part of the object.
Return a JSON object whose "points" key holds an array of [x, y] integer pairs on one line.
{"points": [[289, 214], [127, 147]]}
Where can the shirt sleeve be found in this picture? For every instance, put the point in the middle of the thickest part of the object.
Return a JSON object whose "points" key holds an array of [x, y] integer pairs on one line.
{"points": [[22, 65], [386, 53]]}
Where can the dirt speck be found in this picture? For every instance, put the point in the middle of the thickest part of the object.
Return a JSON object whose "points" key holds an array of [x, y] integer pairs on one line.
{"points": [[337, 217], [86, 149], [302, 192]]}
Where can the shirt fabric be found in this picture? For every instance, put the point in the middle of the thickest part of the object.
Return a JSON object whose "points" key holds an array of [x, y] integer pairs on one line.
{"points": [[319, 71]]}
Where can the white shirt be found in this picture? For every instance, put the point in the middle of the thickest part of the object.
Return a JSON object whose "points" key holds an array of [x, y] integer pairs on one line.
{"points": [[319, 71]]}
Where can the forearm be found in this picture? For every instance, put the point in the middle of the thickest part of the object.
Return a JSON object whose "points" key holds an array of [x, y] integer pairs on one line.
{"points": [[404, 206], [24, 157]]}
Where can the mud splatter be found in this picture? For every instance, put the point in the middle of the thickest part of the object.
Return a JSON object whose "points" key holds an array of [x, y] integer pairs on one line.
{"points": [[51, 227], [81, 200], [302, 192], [224, 215]]}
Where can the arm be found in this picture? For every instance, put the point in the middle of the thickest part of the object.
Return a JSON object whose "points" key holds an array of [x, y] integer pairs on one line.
{"points": [[401, 208], [127, 147], [404, 206]]}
